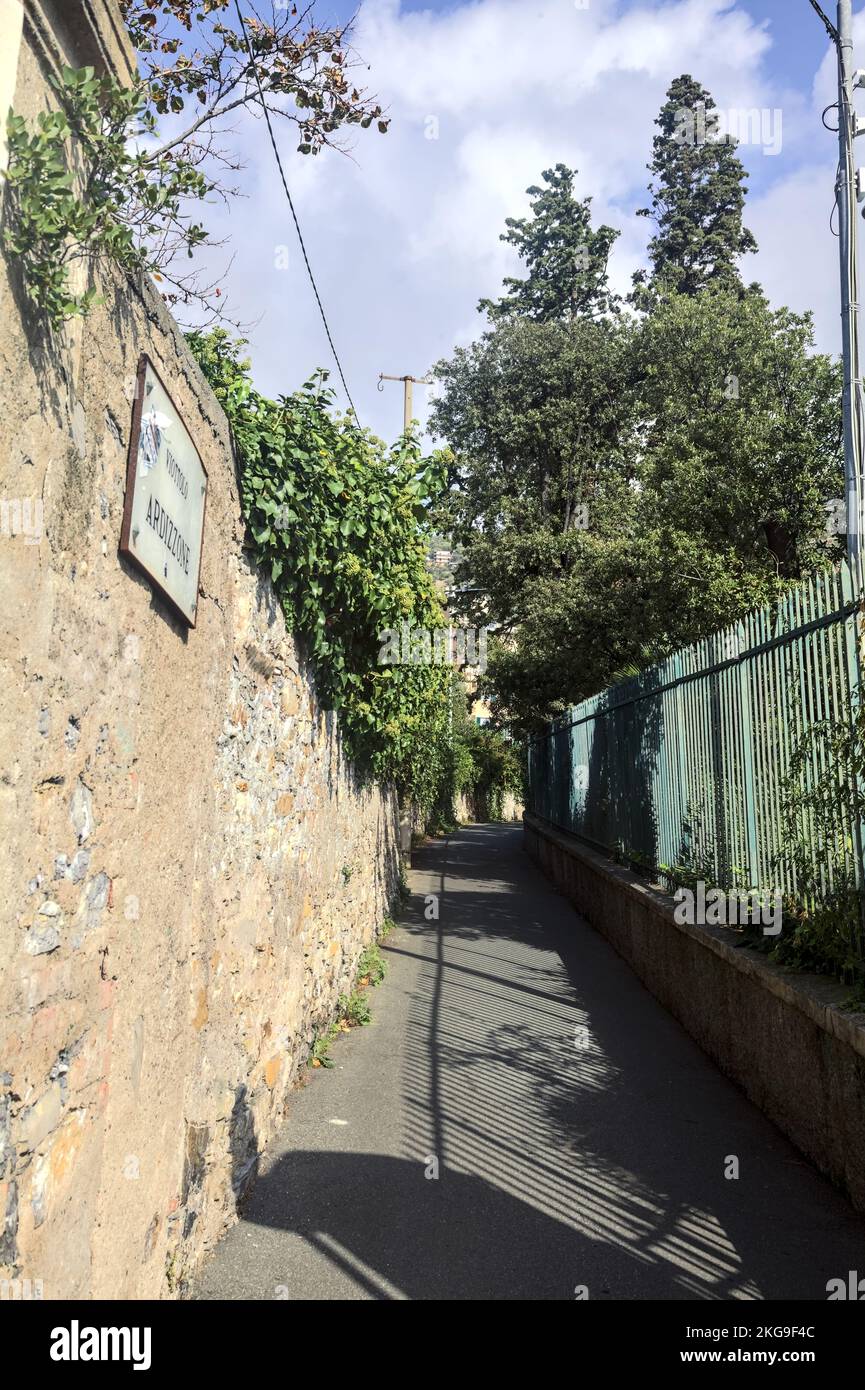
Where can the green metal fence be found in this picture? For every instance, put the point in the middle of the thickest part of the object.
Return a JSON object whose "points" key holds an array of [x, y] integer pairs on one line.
{"points": [[687, 763]]}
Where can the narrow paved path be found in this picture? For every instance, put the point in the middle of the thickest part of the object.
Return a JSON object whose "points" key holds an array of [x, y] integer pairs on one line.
{"points": [[580, 1136]]}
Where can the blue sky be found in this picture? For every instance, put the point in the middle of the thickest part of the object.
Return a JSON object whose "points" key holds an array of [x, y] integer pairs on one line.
{"points": [[403, 232]]}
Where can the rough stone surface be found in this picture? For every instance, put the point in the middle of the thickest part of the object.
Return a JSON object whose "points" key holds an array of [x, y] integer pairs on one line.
{"points": [[175, 815], [470, 809]]}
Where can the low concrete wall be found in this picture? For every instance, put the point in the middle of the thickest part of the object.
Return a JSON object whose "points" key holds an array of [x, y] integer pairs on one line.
{"points": [[783, 1037]]}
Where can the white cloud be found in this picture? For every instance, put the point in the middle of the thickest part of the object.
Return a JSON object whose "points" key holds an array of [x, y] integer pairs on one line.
{"points": [[404, 236], [797, 264], [794, 222]]}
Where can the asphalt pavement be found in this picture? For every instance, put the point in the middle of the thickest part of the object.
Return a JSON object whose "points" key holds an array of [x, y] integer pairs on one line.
{"points": [[522, 1120]]}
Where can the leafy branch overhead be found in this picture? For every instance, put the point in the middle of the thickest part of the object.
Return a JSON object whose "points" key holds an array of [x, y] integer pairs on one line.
{"points": [[304, 69], [111, 205], [118, 174]]}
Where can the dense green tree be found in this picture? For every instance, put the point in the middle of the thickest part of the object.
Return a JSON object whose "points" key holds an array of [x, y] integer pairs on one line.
{"points": [[740, 453], [565, 256], [535, 414], [629, 596], [622, 486], [743, 445], [697, 199], [717, 448]]}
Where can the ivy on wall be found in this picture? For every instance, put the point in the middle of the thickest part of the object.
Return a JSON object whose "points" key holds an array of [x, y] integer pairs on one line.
{"points": [[496, 771], [337, 521]]}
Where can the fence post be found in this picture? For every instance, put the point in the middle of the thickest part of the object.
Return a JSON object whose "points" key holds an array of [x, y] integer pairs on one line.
{"points": [[746, 721]]}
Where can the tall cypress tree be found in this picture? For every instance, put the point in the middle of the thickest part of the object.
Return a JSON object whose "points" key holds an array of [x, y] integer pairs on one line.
{"points": [[566, 257], [698, 197]]}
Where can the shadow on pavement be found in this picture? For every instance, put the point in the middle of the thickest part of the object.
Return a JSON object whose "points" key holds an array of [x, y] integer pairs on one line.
{"points": [[581, 1137]]}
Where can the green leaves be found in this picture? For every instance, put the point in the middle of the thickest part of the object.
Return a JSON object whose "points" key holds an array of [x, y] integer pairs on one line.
{"points": [[94, 183], [110, 206], [704, 442], [697, 202], [565, 256], [345, 559]]}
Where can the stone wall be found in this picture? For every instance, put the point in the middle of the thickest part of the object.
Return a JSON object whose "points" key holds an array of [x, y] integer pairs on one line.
{"points": [[470, 809], [786, 1038], [189, 868]]}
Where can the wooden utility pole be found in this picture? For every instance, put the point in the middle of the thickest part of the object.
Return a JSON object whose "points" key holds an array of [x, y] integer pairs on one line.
{"points": [[407, 384]]}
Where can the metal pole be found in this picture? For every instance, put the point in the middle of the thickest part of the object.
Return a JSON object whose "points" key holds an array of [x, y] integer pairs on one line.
{"points": [[847, 239], [852, 397]]}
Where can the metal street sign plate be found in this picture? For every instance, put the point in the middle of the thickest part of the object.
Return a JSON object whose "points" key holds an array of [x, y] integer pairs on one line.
{"points": [[166, 492]]}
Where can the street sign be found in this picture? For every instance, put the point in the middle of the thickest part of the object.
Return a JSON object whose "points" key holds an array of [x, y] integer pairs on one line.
{"points": [[166, 491]]}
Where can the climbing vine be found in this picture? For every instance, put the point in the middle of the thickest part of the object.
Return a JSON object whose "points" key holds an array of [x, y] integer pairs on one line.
{"points": [[479, 763], [496, 771], [337, 521], [72, 181]]}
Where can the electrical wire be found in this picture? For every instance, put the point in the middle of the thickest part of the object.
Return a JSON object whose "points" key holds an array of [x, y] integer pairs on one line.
{"points": [[830, 28], [291, 204]]}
